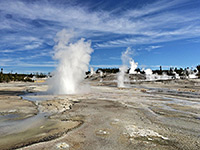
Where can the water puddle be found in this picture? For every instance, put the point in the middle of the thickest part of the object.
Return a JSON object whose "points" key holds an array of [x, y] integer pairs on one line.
{"points": [[40, 96], [10, 123], [16, 126], [9, 117]]}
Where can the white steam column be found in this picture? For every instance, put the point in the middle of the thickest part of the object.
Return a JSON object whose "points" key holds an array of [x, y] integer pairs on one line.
{"points": [[122, 70], [73, 60], [133, 67], [92, 72], [149, 74]]}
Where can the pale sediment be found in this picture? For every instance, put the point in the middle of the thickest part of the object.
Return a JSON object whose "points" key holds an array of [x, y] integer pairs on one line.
{"points": [[145, 116], [23, 123]]}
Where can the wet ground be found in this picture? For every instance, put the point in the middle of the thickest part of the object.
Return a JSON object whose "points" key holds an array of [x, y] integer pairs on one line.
{"points": [[146, 115]]}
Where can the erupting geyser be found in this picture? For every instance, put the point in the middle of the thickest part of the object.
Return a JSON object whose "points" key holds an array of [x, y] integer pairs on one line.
{"points": [[133, 67], [148, 72], [92, 72], [122, 70], [73, 60], [121, 76]]}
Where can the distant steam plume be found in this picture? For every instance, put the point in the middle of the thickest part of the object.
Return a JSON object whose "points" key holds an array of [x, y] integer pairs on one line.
{"points": [[133, 67], [73, 60]]}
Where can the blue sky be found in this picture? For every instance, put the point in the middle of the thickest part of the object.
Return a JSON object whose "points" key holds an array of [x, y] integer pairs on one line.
{"points": [[159, 32]]}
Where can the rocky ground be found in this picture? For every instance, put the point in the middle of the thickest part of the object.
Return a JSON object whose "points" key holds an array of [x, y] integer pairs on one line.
{"points": [[146, 115]]}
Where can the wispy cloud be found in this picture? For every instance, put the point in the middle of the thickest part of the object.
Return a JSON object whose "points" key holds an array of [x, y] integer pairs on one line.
{"points": [[105, 66], [115, 58], [149, 48], [165, 66], [28, 27], [22, 64]]}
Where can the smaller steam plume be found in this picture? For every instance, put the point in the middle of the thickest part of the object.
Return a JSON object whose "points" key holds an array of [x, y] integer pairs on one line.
{"points": [[73, 60], [148, 72], [92, 72], [192, 74], [152, 77], [133, 67], [121, 78]]}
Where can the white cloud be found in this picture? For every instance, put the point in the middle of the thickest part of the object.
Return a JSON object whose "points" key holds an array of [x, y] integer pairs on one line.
{"points": [[6, 51], [22, 64], [149, 48], [155, 7], [165, 66], [6, 59], [102, 21], [32, 46], [105, 66], [32, 25], [115, 58]]}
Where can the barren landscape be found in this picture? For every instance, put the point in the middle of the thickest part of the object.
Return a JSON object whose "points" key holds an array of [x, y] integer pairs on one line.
{"points": [[145, 115]]}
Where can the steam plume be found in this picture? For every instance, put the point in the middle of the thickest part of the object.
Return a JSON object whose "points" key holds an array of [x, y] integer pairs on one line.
{"points": [[73, 60], [122, 70], [133, 67], [92, 72]]}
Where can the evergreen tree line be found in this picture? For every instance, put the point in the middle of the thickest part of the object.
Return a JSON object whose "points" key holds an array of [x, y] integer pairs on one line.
{"points": [[7, 77], [14, 77]]}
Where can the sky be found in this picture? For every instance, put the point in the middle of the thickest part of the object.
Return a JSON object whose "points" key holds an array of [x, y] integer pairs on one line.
{"points": [[159, 32]]}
